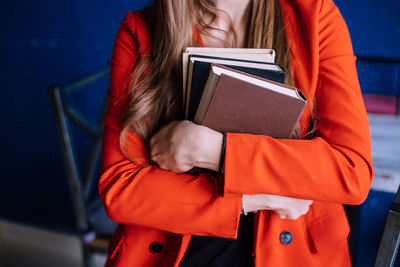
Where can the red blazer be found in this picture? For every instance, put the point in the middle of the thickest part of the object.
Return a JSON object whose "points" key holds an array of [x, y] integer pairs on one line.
{"points": [[158, 210]]}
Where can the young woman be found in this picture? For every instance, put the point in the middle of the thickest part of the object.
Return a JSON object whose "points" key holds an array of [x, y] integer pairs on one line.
{"points": [[293, 189]]}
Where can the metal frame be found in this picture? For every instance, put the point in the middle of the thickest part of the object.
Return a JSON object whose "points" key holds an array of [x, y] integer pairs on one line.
{"points": [[79, 183], [389, 245]]}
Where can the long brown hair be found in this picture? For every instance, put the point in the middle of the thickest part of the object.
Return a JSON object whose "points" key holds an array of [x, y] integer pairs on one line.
{"points": [[155, 83]]}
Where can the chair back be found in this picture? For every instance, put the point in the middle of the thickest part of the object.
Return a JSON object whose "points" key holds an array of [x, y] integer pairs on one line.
{"points": [[389, 244], [80, 182]]}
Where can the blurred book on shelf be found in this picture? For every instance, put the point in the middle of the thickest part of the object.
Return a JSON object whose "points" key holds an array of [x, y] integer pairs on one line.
{"points": [[381, 104]]}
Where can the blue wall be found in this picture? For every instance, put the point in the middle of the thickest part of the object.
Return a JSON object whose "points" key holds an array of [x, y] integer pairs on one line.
{"points": [[45, 42], [375, 30], [374, 26], [41, 43]]}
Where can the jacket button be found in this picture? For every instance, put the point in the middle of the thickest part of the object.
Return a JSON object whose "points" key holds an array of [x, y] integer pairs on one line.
{"points": [[156, 247], [286, 238]]}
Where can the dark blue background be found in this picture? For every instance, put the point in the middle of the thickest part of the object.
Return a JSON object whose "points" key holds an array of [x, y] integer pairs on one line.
{"points": [[375, 31], [45, 42], [41, 43]]}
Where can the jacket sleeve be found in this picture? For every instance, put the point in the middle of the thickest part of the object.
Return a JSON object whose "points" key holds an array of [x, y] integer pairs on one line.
{"points": [[336, 165], [149, 196]]}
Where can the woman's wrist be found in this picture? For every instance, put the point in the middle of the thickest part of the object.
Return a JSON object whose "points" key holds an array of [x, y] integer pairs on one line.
{"points": [[206, 147], [222, 157]]}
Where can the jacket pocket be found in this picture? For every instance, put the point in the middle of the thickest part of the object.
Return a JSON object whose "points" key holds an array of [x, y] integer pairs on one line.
{"points": [[329, 232], [116, 241]]}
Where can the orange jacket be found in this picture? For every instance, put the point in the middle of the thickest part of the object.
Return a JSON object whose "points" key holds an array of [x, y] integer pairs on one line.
{"points": [[158, 210]]}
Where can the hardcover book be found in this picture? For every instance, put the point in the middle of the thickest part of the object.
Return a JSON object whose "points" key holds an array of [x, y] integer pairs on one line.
{"points": [[234, 101], [255, 54], [198, 71]]}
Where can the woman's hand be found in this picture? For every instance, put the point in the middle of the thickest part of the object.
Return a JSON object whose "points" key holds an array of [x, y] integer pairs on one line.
{"points": [[285, 207], [182, 145]]}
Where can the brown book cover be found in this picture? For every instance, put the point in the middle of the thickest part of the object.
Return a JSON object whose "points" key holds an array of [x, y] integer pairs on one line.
{"points": [[243, 107]]}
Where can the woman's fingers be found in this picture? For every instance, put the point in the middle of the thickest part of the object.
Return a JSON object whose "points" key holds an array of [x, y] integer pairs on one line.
{"points": [[285, 207], [169, 146], [294, 212], [298, 208]]}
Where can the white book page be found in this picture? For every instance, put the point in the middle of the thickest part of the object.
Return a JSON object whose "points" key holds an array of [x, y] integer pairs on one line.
{"points": [[260, 55], [194, 50], [237, 63]]}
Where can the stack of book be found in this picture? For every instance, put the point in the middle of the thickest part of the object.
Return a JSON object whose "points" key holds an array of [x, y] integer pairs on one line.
{"points": [[239, 90]]}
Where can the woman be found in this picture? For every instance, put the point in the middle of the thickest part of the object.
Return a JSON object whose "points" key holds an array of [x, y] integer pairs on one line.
{"points": [[163, 211]]}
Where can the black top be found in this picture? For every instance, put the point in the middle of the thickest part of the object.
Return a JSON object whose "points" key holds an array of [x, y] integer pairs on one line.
{"points": [[219, 252]]}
